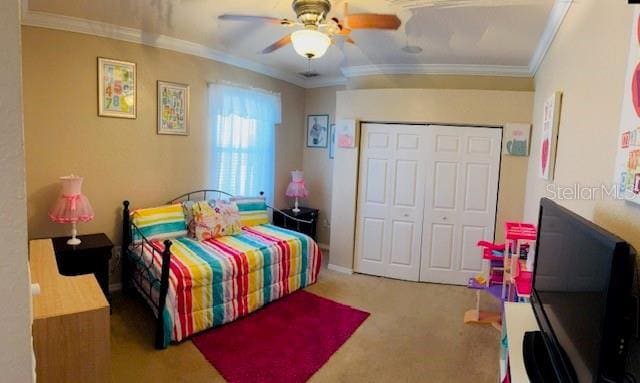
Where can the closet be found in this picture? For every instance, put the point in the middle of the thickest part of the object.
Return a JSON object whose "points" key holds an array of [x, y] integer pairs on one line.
{"points": [[426, 195]]}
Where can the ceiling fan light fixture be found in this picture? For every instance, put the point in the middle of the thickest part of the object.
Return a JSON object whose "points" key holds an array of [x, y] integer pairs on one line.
{"points": [[309, 43]]}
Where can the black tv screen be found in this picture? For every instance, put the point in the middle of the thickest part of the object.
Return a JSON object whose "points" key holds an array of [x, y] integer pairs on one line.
{"points": [[582, 285]]}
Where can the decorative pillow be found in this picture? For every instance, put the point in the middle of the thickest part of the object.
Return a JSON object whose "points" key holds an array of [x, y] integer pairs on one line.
{"points": [[253, 210], [215, 219], [187, 209], [161, 222]]}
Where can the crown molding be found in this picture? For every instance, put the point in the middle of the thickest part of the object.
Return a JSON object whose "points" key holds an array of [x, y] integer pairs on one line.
{"points": [[133, 35], [556, 16], [423, 69], [321, 82]]}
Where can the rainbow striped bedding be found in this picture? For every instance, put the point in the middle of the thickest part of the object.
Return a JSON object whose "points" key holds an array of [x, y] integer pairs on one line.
{"points": [[219, 280]]}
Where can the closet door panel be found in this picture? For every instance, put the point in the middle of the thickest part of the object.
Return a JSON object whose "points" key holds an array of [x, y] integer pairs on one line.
{"points": [[391, 191], [462, 171]]}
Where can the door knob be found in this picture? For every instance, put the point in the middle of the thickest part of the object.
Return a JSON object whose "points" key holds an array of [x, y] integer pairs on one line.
{"points": [[405, 215], [444, 218]]}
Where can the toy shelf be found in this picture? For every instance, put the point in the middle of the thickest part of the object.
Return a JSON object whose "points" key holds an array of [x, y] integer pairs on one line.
{"points": [[520, 231], [507, 278]]}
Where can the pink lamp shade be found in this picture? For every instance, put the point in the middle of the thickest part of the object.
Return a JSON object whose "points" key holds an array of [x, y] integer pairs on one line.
{"points": [[296, 187], [72, 206]]}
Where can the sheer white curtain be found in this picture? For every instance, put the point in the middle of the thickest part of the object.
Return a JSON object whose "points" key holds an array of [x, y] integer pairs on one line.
{"points": [[243, 122]]}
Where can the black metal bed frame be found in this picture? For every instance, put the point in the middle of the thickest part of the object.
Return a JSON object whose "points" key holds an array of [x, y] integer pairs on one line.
{"points": [[134, 270]]}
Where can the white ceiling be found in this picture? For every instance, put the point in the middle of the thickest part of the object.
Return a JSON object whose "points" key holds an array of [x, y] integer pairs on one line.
{"points": [[479, 36]]}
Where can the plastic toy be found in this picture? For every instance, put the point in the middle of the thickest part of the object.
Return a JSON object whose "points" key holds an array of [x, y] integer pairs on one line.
{"points": [[508, 275]]}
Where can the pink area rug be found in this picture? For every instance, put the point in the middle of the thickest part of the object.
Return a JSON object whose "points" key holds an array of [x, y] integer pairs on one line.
{"points": [[286, 341]]}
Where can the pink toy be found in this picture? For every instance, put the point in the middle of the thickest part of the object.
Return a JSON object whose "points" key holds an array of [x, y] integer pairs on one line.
{"points": [[508, 278], [520, 241]]}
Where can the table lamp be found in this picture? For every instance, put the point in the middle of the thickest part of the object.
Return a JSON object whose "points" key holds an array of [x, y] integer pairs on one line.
{"points": [[72, 206], [296, 188]]}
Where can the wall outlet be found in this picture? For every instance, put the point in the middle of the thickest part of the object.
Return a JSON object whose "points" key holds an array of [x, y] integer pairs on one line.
{"points": [[114, 263], [117, 253], [326, 223]]}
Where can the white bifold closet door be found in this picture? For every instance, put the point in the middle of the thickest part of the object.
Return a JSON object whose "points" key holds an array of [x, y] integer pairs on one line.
{"points": [[426, 195]]}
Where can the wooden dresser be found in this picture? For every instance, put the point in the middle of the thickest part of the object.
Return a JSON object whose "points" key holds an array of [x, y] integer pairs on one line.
{"points": [[71, 336]]}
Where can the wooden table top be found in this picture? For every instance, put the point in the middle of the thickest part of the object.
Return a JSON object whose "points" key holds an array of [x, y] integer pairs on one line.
{"points": [[60, 295]]}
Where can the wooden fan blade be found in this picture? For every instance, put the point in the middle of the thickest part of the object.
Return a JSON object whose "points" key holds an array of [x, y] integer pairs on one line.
{"points": [[373, 21], [344, 31], [346, 40], [278, 44], [259, 19]]}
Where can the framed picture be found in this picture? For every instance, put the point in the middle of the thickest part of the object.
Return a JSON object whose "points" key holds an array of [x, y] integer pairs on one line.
{"points": [[516, 139], [332, 141], [116, 88], [173, 108], [317, 130], [549, 136], [346, 132]]}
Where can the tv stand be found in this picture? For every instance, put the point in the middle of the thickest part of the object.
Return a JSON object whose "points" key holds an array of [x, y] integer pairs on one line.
{"points": [[517, 320], [536, 358]]}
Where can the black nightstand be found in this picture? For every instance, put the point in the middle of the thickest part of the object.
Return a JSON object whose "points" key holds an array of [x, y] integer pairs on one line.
{"points": [[305, 213], [89, 257]]}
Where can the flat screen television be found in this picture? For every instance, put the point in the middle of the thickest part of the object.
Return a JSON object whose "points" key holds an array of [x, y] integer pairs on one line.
{"points": [[582, 286]]}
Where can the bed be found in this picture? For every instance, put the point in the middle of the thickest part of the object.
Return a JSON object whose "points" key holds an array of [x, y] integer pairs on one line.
{"points": [[193, 285]]}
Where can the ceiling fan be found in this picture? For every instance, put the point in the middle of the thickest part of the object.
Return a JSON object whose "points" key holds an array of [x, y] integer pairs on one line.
{"points": [[313, 40]]}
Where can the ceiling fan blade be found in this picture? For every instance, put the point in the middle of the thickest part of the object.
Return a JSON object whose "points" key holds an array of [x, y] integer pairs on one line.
{"points": [[373, 21], [278, 44], [344, 31], [348, 40], [259, 19]]}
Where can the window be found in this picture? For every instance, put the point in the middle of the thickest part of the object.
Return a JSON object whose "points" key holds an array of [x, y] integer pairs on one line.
{"points": [[244, 122]]}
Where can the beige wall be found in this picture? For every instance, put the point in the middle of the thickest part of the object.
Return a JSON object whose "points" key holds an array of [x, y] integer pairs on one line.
{"points": [[441, 82], [479, 107], [120, 158], [317, 165], [587, 62], [16, 360]]}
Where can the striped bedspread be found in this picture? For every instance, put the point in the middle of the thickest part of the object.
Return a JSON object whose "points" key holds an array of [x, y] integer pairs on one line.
{"points": [[217, 281]]}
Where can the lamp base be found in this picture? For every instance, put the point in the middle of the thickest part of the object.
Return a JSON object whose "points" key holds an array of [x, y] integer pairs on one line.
{"points": [[74, 241], [295, 207]]}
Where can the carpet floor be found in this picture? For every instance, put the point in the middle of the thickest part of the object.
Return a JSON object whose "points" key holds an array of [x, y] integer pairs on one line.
{"points": [[414, 334]]}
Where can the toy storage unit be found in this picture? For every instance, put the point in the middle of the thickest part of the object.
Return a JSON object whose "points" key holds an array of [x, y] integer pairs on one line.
{"points": [[518, 260], [508, 273]]}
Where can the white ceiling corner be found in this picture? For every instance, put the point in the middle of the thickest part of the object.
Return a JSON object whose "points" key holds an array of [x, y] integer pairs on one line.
{"points": [[342, 62], [558, 12]]}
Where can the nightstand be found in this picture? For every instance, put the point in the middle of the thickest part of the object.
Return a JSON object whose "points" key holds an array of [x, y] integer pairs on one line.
{"points": [[89, 257], [305, 213]]}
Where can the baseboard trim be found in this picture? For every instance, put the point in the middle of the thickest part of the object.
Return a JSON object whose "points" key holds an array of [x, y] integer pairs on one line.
{"points": [[340, 269], [115, 287]]}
